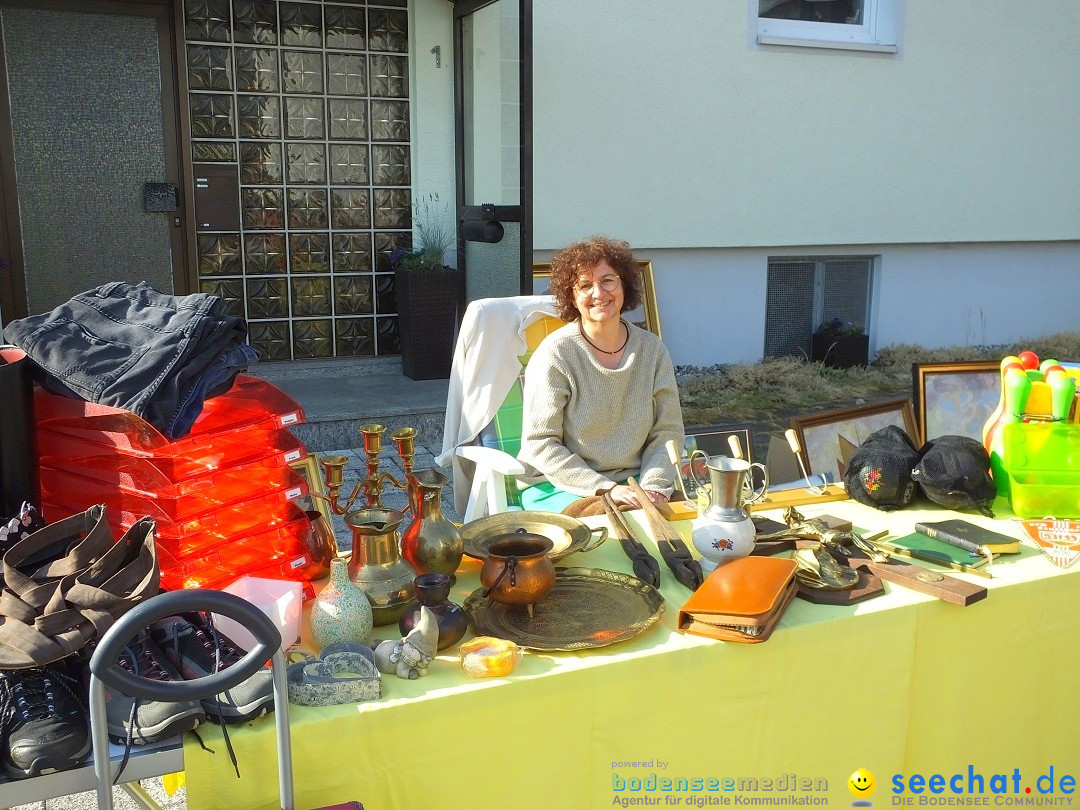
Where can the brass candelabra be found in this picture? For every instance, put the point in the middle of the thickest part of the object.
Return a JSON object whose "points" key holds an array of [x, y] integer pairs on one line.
{"points": [[372, 486]]}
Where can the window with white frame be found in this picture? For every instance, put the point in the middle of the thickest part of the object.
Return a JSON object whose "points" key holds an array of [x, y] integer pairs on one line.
{"points": [[850, 24]]}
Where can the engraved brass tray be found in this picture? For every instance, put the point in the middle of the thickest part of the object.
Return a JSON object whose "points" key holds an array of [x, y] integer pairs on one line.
{"points": [[587, 608], [567, 534]]}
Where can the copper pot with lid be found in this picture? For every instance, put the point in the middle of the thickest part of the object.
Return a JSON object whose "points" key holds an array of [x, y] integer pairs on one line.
{"points": [[518, 569]]}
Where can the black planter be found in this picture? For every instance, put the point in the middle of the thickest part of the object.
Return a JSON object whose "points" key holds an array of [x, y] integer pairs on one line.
{"points": [[429, 304], [840, 351]]}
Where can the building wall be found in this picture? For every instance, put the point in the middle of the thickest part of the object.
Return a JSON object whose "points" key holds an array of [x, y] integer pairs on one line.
{"points": [[933, 295], [954, 159], [666, 124], [431, 24]]}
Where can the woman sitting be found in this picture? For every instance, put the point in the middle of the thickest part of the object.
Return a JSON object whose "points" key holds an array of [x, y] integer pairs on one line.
{"points": [[599, 394]]}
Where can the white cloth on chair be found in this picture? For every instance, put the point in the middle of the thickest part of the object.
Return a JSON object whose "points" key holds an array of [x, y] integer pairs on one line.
{"points": [[485, 365]]}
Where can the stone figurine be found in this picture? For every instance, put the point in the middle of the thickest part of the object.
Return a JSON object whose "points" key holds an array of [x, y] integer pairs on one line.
{"points": [[410, 657]]}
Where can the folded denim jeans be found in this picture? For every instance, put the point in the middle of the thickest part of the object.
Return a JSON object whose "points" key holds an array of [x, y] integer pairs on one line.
{"points": [[132, 347]]}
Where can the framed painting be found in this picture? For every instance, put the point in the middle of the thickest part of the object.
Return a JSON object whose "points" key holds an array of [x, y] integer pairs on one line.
{"points": [[954, 399], [645, 316], [713, 440], [308, 468], [829, 438]]}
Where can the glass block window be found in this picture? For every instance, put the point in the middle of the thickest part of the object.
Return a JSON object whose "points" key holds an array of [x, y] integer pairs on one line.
{"points": [[803, 292], [310, 102]]}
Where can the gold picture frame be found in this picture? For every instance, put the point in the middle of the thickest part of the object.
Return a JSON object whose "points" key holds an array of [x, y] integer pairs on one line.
{"points": [[954, 398], [828, 438], [646, 315], [316, 500]]}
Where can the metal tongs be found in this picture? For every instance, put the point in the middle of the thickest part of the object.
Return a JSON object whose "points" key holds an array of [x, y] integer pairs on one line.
{"points": [[646, 568], [674, 551]]}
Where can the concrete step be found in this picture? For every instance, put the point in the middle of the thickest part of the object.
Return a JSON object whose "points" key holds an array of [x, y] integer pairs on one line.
{"points": [[340, 396]]}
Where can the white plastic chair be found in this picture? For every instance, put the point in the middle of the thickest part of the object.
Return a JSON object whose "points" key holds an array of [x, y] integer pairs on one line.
{"points": [[482, 433]]}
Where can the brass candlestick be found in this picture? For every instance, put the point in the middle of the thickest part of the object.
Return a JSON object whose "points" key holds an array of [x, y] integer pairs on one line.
{"points": [[372, 485], [404, 439]]}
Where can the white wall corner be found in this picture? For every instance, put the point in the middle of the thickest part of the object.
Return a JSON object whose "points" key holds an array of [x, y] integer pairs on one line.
{"points": [[431, 107]]}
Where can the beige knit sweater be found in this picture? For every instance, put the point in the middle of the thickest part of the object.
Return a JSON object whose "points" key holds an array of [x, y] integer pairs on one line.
{"points": [[586, 427]]}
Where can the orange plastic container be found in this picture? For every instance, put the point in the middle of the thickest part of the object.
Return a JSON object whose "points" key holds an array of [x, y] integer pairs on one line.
{"points": [[70, 488], [139, 476], [173, 551], [282, 549], [236, 520], [264, 448], [251, 404]]}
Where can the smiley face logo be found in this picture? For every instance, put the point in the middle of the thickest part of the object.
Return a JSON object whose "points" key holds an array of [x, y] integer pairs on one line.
{"points": [[862, 784]]}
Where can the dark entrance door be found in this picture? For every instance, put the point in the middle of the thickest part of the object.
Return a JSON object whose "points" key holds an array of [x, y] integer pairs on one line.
{"points": [[87, 119]]}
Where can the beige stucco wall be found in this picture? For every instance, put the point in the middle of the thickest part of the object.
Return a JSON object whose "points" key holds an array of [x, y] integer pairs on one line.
{"points": [[668, 125], [431, 95]]}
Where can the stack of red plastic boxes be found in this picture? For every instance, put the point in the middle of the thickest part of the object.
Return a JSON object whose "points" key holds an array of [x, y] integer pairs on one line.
{"points": [[221, 496]]}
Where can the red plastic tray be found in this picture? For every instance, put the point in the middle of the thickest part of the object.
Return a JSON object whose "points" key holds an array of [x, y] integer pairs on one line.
{"points": [[68, 488], [271, 448], [283, 549], [139, 476], [236, 520], [251, 404]]}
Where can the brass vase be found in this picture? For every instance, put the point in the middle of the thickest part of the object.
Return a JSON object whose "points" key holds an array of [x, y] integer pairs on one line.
{"points": [[431, 543], [376, 565], [322, 546]]}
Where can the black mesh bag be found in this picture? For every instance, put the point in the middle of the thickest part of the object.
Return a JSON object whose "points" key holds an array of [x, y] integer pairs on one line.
{"points": [[879, 471], [954, 471]]}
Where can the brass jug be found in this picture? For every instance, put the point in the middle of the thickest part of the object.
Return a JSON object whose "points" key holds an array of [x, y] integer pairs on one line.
{"points": [[431, 543], [376, 565]]}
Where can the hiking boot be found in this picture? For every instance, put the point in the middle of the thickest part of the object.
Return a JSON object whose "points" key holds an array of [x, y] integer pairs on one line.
{"points": [[195, 648], [45, 720], [136, 721]]}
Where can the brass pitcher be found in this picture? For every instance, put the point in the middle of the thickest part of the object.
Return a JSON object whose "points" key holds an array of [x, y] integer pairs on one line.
{"points": [[431, 543], [376, 565]]}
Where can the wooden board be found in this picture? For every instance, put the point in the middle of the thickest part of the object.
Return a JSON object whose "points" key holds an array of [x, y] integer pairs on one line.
{"points": [[867, 587], [923, 580], [797, 497], [678, 510], [766, 548]]}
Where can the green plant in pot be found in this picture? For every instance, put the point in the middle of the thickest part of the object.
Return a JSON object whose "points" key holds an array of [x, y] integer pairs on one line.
{"points": [[429, 294], [840, 344]]}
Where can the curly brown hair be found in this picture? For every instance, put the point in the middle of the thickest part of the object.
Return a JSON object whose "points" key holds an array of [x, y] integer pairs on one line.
{"points": [[573, 260]]}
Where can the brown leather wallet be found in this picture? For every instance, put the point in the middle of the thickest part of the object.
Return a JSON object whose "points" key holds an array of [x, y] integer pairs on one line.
{"points": [[741, 600]]}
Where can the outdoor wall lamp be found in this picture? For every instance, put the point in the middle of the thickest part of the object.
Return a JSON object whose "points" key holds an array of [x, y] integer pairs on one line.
{"points": [[480, 225]]}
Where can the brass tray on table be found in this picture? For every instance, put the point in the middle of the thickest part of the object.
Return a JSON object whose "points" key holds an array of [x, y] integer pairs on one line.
{"points": [[587, 608], [567, 534]]}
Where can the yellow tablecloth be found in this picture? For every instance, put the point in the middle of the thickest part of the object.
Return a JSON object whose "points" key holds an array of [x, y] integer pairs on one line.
{"points": [[901, 685]]}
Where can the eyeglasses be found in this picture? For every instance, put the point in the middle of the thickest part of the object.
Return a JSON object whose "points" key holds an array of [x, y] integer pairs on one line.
{"points": [[607, 284]]}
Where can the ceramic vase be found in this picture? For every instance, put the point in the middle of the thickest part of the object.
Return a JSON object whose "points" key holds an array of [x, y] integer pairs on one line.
{"points": [[725, 531], [431, 543], [376, 565], [432, 592], [341, 612]]}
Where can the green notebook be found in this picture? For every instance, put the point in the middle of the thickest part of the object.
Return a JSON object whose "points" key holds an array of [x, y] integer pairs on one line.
{"points": [[930, 549], [969, 536]]}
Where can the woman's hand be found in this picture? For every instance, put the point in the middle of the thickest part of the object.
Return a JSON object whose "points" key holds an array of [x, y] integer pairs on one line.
{"points": [[621, 493]]}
